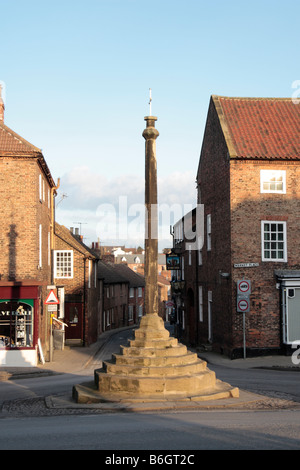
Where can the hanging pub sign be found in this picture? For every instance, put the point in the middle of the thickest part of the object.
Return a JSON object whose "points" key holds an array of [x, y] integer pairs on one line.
{"points": [[173, 261]]}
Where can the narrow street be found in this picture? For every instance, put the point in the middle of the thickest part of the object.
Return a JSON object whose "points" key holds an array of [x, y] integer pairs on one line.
{"points": [[30, 424], [150, 170]]}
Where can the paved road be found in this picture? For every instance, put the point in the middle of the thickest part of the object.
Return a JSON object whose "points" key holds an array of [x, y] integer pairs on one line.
{"points": [[32, 388], [273, 383], [166, 431], [111, 346], [29, 424]]}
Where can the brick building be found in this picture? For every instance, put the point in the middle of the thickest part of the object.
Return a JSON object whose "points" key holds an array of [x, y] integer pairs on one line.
{"points": [[136, 294], [249, 183], [136, 263], [27, 214], [75, 276], [184, 282], [115, 297]]}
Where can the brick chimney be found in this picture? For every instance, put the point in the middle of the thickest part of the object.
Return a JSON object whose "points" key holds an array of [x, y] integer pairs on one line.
{"points": [[2, 107]]}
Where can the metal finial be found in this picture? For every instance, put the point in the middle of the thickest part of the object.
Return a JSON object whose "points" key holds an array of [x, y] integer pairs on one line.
{"points": [[150, 100]]}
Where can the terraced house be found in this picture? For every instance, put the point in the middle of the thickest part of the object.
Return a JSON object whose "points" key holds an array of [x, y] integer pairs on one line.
{"points": [[76, 281], [39, 255], [26, 237], [243, 285]]}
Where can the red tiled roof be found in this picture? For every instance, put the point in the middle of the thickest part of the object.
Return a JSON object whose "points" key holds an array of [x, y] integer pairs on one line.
{"points": [[64, 234], [260, 128], [13, 144]]}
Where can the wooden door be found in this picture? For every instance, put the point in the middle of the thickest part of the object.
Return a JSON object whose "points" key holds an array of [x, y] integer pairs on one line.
{"points": [[73, 318]]}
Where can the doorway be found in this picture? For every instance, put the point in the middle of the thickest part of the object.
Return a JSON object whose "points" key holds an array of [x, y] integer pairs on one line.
{"points": [[191, 316], [291, 314], [209, 314], [73, 318]]}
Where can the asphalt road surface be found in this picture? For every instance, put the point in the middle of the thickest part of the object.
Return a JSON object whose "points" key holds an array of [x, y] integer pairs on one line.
{"points": [[209, 430], [27, 424]]}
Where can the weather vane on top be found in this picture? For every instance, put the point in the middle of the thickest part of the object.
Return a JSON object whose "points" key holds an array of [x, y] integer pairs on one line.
{"points": [[150, 100]]}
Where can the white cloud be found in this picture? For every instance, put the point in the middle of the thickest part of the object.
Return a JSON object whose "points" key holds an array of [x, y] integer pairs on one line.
{"points": [[177, 188], [88, 189], [113, 209]]}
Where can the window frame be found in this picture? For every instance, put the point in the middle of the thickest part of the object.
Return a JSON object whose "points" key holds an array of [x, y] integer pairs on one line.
{"points": [[265, 180], [20, 323], [200, 294], [40, 188], [131, 293], [208, 231], [55, 252], [130, 312], [263, 241], [40, 265], [190, 254]]}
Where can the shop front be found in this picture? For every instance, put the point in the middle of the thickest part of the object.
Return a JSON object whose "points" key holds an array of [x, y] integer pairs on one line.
{"points": [[19, 306]]}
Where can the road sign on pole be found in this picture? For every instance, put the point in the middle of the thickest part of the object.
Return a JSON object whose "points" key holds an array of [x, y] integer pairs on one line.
{"points": [[52, 308], [243, 304], [52, 299], [51, 302], [244, 287]]}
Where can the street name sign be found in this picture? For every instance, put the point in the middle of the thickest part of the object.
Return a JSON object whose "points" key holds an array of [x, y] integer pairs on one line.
{"points": [[246, 265]]}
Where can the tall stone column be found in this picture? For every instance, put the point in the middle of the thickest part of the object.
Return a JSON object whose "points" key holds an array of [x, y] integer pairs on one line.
{"points": [[150, 135], [154, 367]]}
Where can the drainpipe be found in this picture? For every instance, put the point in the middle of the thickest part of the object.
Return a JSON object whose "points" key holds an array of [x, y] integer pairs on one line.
{"points": [[52, 225], [84, 300], [197, 297]]}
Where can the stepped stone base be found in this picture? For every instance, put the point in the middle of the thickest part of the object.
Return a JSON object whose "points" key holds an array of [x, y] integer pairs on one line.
{"points": [[154, 367]]}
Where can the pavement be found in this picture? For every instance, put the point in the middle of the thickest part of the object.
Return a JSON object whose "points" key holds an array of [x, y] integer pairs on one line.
{"points": [[73, 359], [79, 360]]}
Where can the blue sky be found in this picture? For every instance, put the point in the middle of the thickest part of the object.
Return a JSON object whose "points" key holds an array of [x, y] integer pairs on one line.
{"points": [[77, 77]]}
